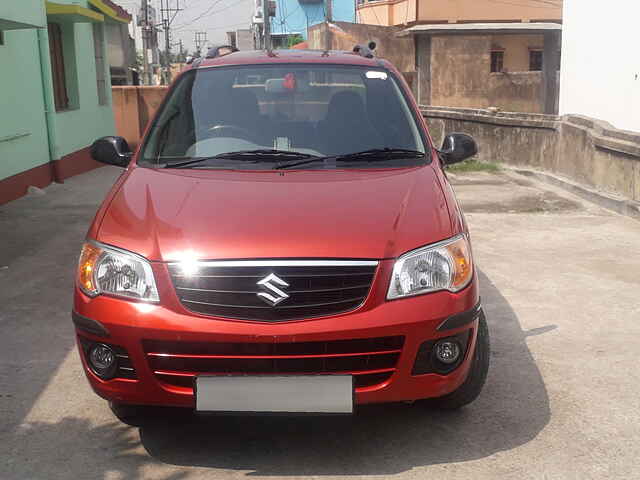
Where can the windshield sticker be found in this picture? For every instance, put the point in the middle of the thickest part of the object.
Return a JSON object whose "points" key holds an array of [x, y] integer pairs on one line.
{"points": [[374, 74]]}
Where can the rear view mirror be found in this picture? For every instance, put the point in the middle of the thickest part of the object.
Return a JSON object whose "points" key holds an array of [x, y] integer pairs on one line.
{"points": [[112, 151], [457, 147]]}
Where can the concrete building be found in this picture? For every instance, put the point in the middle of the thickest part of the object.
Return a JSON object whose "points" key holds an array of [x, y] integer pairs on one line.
{"points": [[463, 65], [294, 17], [121, 52], [411, 12], [242, 39], [477, 53], [56, 89], [601, 78], [137, 32]]}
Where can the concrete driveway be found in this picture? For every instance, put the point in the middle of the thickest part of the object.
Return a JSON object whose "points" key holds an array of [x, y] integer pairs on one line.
{"points": [[560, 284]]}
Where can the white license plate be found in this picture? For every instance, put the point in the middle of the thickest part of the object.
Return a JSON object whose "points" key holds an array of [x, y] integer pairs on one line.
{"points": [[286, 394]]}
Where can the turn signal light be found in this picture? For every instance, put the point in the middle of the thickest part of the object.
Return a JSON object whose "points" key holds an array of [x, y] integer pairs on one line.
{"points": [[88, 259]]}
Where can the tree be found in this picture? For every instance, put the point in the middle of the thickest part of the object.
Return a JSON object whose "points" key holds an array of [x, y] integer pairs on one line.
{"points": [[294, 40]]}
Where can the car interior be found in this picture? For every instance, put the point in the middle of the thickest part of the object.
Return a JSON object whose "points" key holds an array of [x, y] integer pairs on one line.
{"points": [[328, 112]]}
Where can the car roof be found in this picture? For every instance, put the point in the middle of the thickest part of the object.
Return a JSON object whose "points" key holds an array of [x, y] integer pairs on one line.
{"points": [[256, 57]]}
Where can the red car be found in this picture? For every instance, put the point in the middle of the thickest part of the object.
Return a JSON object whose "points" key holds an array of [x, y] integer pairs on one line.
{"points": [[284, 240]]}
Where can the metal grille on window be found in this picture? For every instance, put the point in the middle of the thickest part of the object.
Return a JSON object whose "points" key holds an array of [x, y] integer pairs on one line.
{"points": [[497, 61], [535, 60]]}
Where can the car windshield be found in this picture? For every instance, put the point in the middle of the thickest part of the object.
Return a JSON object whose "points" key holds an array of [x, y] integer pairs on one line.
{"points": [[282, 113]]}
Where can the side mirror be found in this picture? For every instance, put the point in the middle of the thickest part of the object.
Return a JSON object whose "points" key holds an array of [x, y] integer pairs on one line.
{"points": [[112, 151], [457, 147]]}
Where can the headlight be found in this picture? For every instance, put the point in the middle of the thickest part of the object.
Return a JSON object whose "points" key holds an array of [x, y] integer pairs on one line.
{"points": [[443, 266], [104, 269]]}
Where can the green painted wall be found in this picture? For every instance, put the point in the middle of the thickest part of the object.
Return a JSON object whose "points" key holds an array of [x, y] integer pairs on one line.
{"points": [[24, 95], [21, 14], [86, 120], [22, 108], [80, 126]]}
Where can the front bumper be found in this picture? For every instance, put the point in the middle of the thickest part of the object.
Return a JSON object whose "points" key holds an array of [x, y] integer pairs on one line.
{"points": [[129, 324]]}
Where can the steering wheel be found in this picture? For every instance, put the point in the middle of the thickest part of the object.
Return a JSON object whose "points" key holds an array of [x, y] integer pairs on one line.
{"points": [[230, 130]]}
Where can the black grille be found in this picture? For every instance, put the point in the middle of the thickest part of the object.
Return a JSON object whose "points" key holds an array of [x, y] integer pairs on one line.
{"points": [[314, 291], [370, 360]]}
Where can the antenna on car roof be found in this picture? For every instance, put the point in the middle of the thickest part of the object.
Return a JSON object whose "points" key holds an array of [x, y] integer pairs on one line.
{"points": [[365, 51]]}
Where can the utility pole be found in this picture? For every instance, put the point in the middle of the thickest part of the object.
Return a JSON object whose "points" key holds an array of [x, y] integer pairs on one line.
{"points": [[168, 14], [167, 51], [266, 15], [200, 41], [146, 75], [328, 19]]}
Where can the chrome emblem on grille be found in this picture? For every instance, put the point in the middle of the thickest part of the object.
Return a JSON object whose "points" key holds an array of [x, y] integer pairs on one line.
{"points": [[273, 295]]}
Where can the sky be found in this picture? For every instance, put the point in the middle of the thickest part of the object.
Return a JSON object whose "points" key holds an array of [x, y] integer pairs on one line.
{"points": [[215, 17]]}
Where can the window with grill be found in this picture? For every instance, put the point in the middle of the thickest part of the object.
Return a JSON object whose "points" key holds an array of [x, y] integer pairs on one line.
{"points": [[535, 60], [98, 48], [497, 61], [60, 93]]}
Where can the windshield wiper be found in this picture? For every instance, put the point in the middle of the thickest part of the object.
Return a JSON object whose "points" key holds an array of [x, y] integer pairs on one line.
{"points": [[373, 155], [244, 155]]}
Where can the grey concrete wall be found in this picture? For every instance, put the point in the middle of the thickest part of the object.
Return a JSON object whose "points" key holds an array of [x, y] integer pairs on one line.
{"points": [[459, 69], [583, 150], [244, 39], [344, 35], [452, 70]]}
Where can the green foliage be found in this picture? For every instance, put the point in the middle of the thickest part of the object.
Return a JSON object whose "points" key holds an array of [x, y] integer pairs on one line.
{"points": [[294, 40]]}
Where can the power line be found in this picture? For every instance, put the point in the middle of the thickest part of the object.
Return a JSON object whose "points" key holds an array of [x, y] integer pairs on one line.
{"points": [[214, 28], [168, 14], [284, 16], [208, 12], [200, 40], [228, 7]]}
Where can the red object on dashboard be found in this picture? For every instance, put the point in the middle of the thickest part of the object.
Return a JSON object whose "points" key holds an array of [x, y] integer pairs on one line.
{"points": [[289, 81]]}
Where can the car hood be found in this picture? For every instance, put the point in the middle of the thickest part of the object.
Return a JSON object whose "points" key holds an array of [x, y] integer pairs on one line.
{"points": [[166, 215]]}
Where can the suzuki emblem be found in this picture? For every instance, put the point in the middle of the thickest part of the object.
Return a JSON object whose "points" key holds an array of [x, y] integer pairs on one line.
{"points": [[273, 295]]}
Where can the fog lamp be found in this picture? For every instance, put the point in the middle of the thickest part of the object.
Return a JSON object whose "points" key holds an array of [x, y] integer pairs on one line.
{"points": [[447, 351], [102, 361]]}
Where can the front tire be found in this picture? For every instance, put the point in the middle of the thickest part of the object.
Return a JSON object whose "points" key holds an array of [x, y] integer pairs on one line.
{"points": [[472, 386]]}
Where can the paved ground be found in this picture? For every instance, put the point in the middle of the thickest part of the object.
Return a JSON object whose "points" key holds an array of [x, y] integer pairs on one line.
{"points": [[560, 281]]}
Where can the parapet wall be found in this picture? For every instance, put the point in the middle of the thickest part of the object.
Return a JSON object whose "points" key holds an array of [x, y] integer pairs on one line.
{"points": [[582, 150]]}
